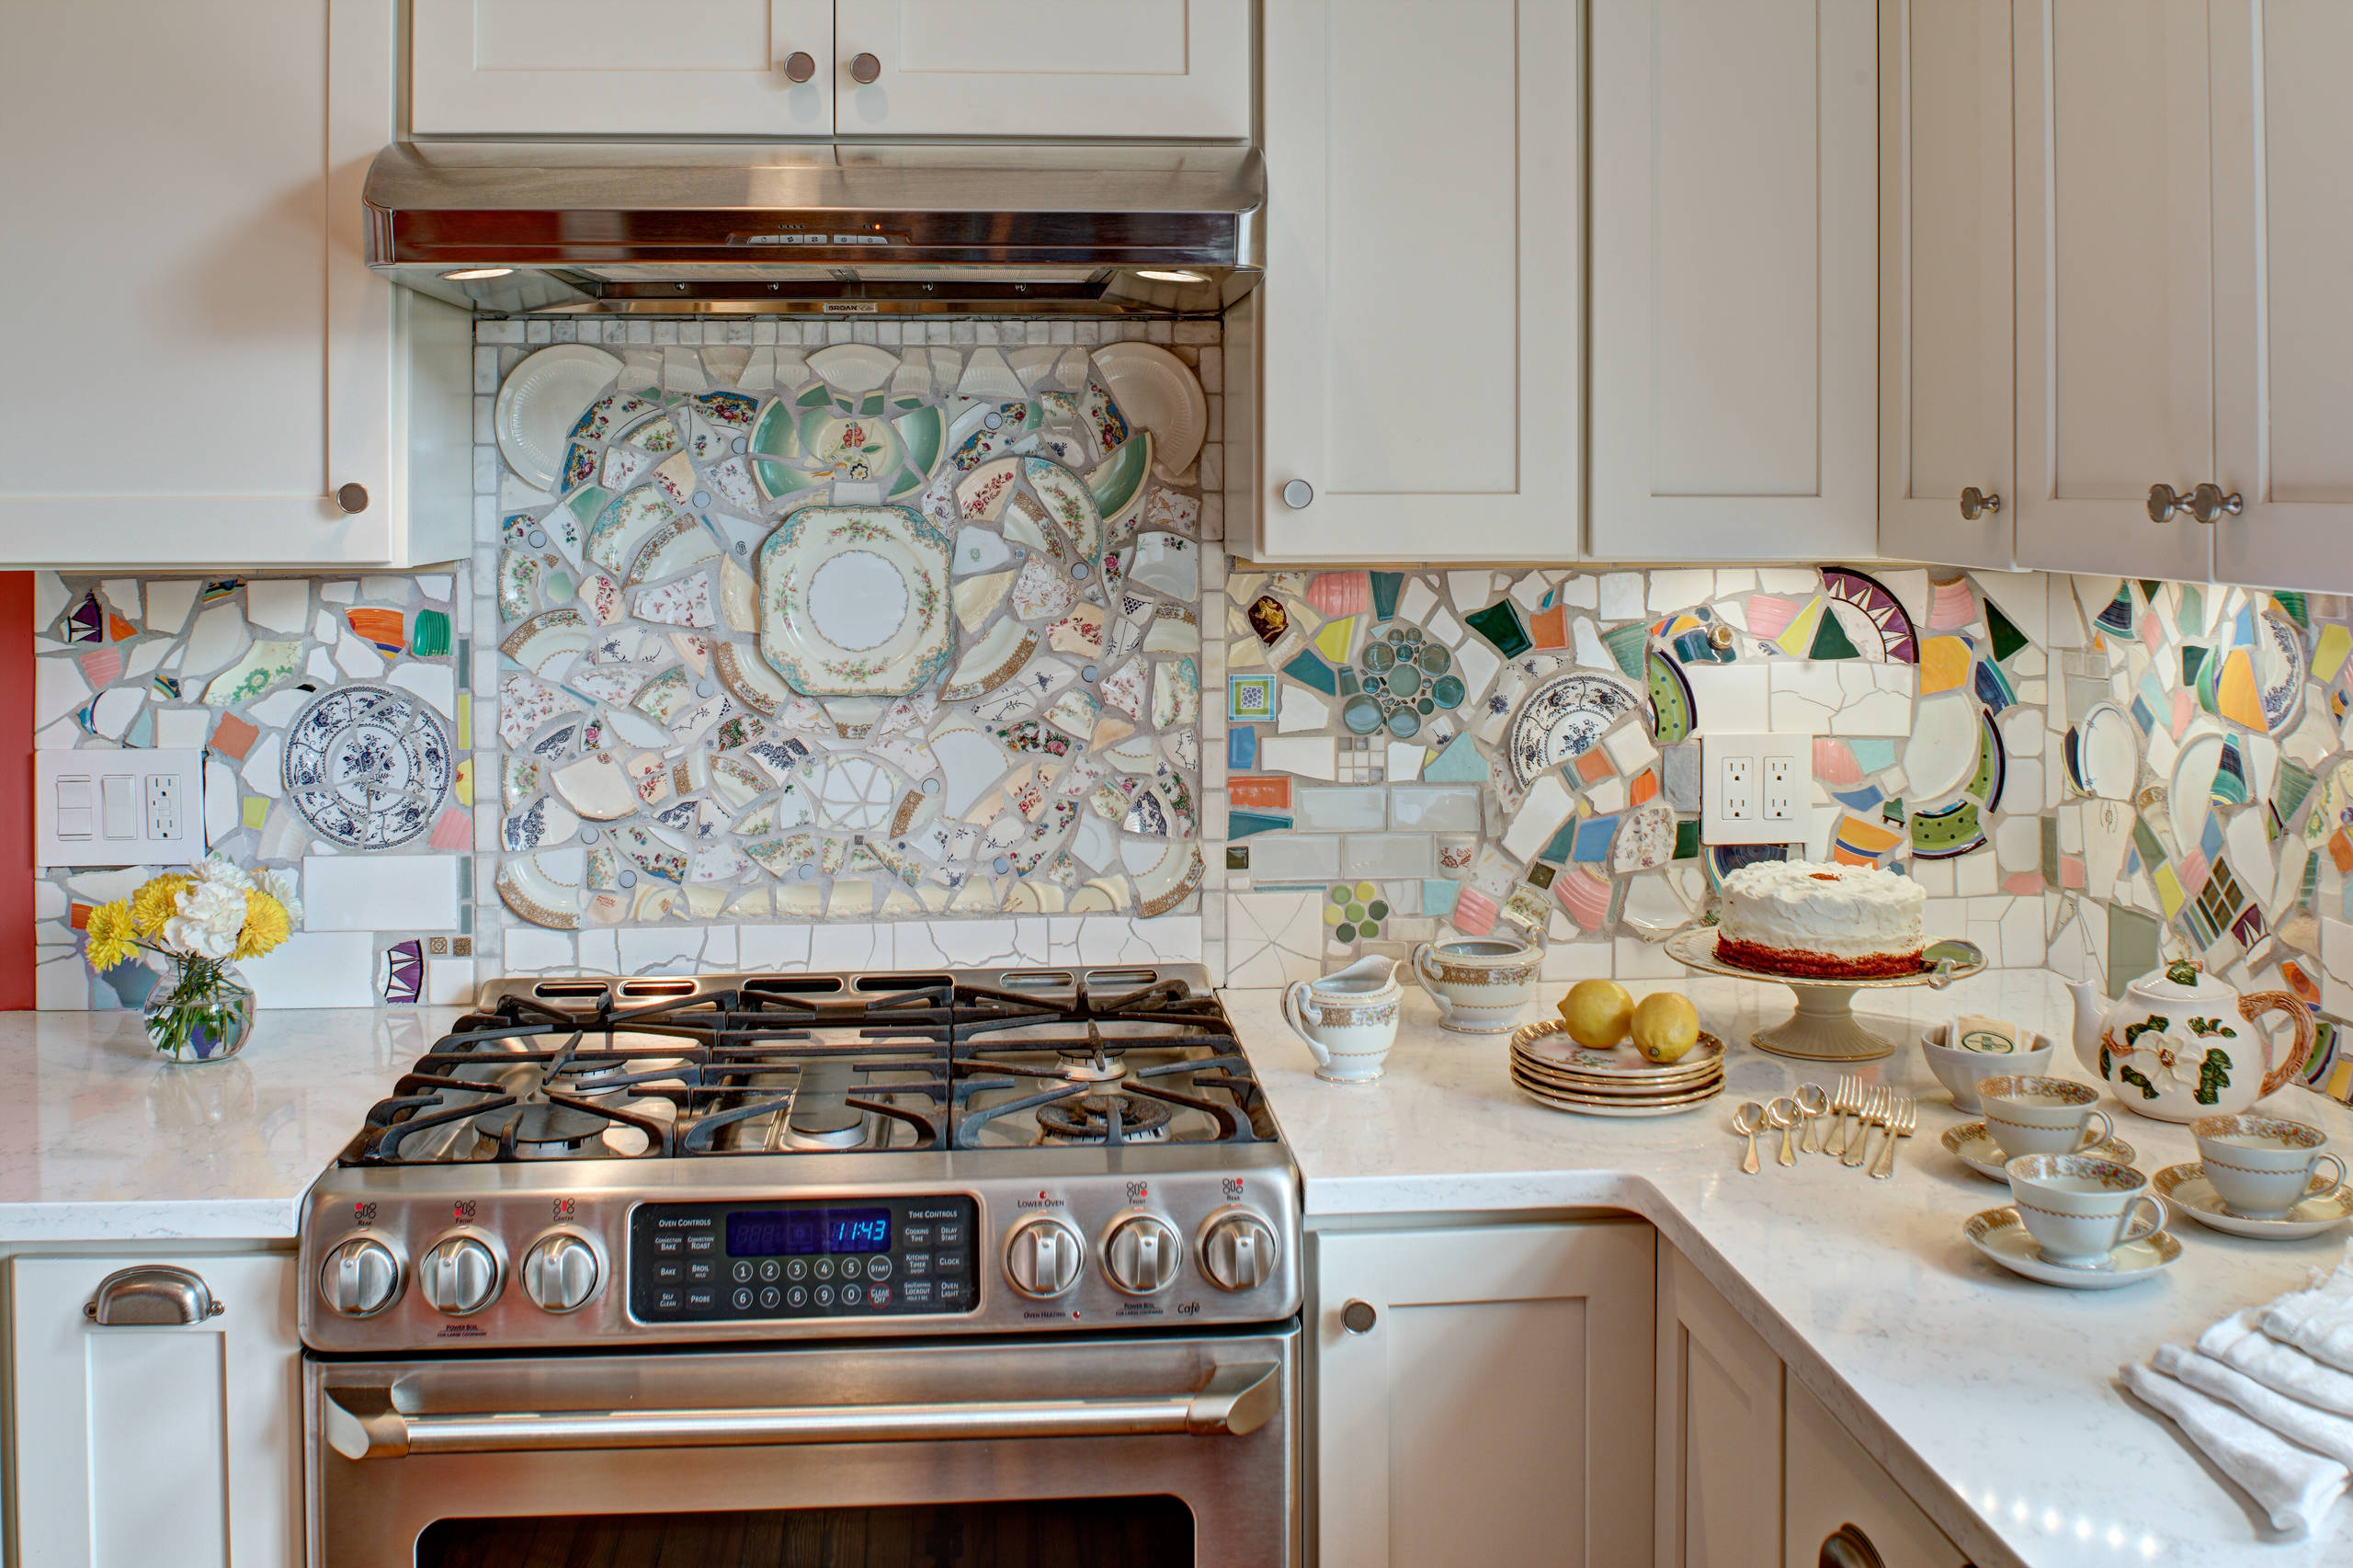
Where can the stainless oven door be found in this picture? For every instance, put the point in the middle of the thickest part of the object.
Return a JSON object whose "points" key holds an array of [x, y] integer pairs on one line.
{"points": [[1161, 1452]]}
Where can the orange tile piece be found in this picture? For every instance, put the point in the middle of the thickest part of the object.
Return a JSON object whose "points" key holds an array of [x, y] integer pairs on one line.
{"points": [[2340, 849], [232, 737], [1550, 628], [1944, 665], [119, 629], [79, 916], [2236, 696], [1593, 765], [1259, 792], [387, 628], [1641, 786]]}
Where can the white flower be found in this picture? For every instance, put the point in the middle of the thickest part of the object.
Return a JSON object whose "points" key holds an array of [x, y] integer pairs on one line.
{"points": [[281, 885], [223, 872], [211, 915]]}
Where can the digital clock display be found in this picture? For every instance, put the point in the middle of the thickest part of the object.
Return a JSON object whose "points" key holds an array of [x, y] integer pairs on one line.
{"points": [[796, 1233]]}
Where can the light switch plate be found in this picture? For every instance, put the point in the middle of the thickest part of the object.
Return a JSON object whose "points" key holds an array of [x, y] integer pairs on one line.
{"points": [[118, 808], [1756, 789]]}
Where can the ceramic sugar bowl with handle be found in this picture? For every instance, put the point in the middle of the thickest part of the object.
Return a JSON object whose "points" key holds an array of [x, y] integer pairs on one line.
{"points": [[2182, 1044]]}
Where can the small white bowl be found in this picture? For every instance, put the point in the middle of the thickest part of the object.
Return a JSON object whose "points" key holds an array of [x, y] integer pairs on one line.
{"points": [[1963, 1071]]}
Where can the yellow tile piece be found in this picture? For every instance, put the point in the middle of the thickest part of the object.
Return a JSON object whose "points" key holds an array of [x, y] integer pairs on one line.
{"points": [[465, 720], [256, 809], [463, 788], [2335, 643], [2169, 893], [1797, 639], [1944, 664], [2236, 696], [1334, 638], [1865, 837]]}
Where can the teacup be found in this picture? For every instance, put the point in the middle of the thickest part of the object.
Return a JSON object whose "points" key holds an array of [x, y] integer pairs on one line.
{"points": [[1480, 984], [1961, 1070], [2029, 1114], [2261, 1166], [1348, 1018], [2080, 1209]]}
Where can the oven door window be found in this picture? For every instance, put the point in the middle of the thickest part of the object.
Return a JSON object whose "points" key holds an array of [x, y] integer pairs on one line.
{"points": [[1076, 1533]]}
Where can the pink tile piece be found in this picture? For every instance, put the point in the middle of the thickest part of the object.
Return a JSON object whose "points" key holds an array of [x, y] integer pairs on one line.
{"points": [[2185, 707], [101, 664], [454, 831], [1474, 913], [2152, 633], [2024, 882], [2070, 870], [1769, 615], [1951, 605]]}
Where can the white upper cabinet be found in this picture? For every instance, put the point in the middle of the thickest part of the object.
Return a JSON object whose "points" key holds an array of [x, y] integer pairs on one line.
{"points": [[1946, 408], [1164, 68], [1419, 317], [615, 67], [198, 254], [1734, 269], [1042, 68], [2283, 312], [2116, 347]]}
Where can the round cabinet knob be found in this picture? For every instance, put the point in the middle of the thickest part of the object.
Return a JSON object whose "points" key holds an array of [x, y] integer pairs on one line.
{"points": [[351, 499], [1043, 1257], [1358, 1317], [2164, 502], [1297, 494], [1848, 1547], [2209, 506], [1238, 1253], [1976, 504], [560, 1273], [361, 1278], [1142, 1255], [800, 65], [864, 69], [459, 1275]]}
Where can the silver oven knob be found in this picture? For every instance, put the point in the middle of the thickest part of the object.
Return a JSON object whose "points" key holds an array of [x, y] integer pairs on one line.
{"points": [[361, 1278], [459, 1275], [1042, 1257], [560, 1272], [1142, 1255], [1238, 1251]]}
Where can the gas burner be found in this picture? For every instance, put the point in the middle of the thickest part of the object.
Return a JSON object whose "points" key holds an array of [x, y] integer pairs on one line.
{"points": [[540, 1131], [1087, 1120], [1093, 1066], [822, 1116]]}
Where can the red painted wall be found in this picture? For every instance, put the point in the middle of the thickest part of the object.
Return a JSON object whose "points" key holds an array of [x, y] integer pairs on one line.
{"points": [[16, 791]]}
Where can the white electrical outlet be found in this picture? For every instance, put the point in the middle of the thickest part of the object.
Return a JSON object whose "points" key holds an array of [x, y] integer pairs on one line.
{"points": [[118, 808], [1756, 789]]}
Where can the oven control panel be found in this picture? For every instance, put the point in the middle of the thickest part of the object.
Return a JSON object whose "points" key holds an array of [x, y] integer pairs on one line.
{"points": [[838, 1257]]}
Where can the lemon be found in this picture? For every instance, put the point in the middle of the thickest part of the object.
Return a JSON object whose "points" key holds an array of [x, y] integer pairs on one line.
{"points": [[1597, 1013], [1665, 1026]]}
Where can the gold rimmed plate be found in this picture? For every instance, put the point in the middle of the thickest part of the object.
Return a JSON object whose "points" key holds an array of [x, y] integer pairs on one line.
{"points": [[2325, 1206], [1974, 1147], [1595, 1106]]}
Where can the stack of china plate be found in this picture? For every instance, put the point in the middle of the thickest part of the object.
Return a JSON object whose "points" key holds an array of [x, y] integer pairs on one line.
{"points": [[1550, 1067]]}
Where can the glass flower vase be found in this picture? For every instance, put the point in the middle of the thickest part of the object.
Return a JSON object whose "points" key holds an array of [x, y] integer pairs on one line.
{"points": [[201, 1011]]}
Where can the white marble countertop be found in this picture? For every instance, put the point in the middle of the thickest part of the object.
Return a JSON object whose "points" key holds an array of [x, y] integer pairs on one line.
{"points": [[1992, 1399], [99, 1141]]}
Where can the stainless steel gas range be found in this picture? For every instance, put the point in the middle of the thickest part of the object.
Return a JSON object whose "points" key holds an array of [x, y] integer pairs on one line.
{"points": [[880, 1269]]}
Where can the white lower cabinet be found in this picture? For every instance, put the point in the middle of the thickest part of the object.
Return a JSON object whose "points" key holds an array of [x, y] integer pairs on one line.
{"points": [[1834, 1486], [131, 1445], [1483, 1394], [1719, 1473]]}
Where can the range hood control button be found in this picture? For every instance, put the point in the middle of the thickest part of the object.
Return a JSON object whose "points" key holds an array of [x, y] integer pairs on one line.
{"points": [[560, 1273], [1042, 1257], [1142, 1255], [361, 1278], [459, 1275], [1238, 1253]]}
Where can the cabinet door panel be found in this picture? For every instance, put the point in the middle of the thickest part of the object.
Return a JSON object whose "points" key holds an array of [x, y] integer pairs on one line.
{"points": [[1046, 67], [129, 1436], [1947, 410], [1834, 1480], [1458, 439], [2115, 336], [1719, 1429], [1734, 250], [614, 67], [212, 202], [2283, 320], [1497, 1412]]}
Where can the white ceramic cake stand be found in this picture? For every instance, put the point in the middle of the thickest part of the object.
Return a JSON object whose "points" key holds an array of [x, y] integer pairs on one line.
{"points": [[1823, 1028]]}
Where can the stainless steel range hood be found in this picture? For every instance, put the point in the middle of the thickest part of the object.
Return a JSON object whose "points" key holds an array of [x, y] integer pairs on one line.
{"points": [[832, 228]]}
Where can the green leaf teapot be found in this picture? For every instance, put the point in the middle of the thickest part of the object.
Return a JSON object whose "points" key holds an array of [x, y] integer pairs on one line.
{"points": [[2181, 1043]]}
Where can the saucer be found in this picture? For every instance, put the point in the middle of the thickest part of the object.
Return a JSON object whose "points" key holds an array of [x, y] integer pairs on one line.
{"points": [[2186, 1188], [1999, 1236], [1971, 1146]]}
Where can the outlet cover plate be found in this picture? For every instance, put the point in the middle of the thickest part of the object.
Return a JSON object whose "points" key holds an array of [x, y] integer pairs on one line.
{"points": [[1738, 815], [130, 807]]}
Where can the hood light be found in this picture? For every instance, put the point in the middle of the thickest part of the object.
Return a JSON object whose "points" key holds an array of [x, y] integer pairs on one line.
{"points": [[475, 274], [1158, 276]]}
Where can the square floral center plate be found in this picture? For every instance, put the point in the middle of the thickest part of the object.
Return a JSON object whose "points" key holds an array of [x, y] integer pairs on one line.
{"points": [[854, 601]]}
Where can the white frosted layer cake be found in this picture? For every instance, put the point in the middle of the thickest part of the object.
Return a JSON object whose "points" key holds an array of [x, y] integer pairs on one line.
{"points": [[1824, 922]]}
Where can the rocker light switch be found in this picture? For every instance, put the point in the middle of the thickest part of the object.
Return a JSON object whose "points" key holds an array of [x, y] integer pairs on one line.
{"points": [[76, 812], [129, 807]]}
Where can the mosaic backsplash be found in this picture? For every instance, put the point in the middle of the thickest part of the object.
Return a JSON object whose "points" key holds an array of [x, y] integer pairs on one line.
{"points": [[821, 646]]}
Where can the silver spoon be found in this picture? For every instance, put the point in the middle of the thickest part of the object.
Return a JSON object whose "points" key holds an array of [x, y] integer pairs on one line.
{"points": [[1750, 1119], [1814, 1101], [1783, 1113]]}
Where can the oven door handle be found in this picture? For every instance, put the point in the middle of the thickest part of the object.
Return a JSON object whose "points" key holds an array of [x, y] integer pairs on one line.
{"points": [[362, 1423]]}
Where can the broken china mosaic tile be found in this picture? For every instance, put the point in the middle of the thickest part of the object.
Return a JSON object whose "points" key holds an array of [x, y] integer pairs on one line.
{"points": [[844, 630]]}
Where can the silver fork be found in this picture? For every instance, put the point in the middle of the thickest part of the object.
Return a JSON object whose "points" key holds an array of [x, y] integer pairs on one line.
{"points": [[1874, 1108], [1846, 1098], [1902, 1118]]}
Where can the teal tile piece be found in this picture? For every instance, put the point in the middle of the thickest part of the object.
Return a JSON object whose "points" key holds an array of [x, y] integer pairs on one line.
{"points": [[1499, 623], [1459, 763], [1873, 754], [1309, 670], [1386, 587], [142, 733], [1242, 746], [1439, 895], [1241, 824], [1558, 847]]}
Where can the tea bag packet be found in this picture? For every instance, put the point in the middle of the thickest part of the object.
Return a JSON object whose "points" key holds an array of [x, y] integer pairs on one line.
{"points": [[1995, 1037]]}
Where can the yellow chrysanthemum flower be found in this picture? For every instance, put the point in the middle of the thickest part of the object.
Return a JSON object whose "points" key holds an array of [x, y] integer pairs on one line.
{"points": [[266, 925], [156, 903], [110, 932]]}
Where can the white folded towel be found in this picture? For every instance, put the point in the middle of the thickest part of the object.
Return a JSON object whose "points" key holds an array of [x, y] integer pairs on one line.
{"points": [[2238, 1343], [2292, 1418], [2291, 1486], [2317, 1321]]}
